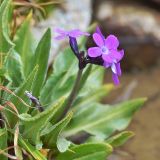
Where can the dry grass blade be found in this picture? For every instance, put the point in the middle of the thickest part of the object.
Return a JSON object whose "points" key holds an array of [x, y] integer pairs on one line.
{"points": [[9, 156], [10, 92], [17, 150], [28, 4], [51, 2], [37, 5], [10, 104], [6, 154], [1, 107], [16, 136]]}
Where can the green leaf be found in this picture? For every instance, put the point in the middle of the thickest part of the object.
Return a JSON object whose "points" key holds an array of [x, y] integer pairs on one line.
{"points": [[65, 61], [120, 139], [63, 144], [94, 96], [52, 136], [53, 89], [37, 123], [3, 142], [88, 151], [24, 45], [61, 81], [32, 150], [5, 42], [41, 59], [103, 120], [13, 66], [20, 92], [95, 79]]}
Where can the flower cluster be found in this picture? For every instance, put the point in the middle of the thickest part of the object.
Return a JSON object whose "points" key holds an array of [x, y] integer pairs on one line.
{"points": [[105, 53]]}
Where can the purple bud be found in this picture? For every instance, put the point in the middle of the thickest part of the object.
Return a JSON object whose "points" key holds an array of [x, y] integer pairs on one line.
{"points": [[74, 46]]}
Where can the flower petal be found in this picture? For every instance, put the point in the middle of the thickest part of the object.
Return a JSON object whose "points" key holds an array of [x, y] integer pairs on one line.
{"points": [[122, 53], [115, 79], [118, 68], [76, 33], [111, 42], [116, 55], [94, 52], [106, 64], [108, 58], [99, 32], [98, 39], [60, 30], [60, 37]]}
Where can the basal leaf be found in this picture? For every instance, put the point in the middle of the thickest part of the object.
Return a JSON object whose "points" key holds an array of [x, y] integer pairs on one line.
{"points": [[53, 89], [13, 66], [62, 144], [65, 61], [36, 123], [31, 149], [20, 92], [41, 59], [3, 142], [52, 137], [61, 81], [94, 96], [5, 42], [88, 151], [103, 120], [120, 139], [95, 78], [24, 45]]}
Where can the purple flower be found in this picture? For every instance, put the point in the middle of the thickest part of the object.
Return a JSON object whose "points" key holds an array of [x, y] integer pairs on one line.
{"points": [[107, 50], [73, 33]]}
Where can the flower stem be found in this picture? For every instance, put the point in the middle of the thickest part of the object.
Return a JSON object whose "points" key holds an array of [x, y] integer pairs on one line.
{"points": [[73, 93]]}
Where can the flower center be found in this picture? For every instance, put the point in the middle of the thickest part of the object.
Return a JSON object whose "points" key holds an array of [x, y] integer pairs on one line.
{"points": [[105, 50]]}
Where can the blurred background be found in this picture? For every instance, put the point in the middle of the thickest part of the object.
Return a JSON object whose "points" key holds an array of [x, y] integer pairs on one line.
{"points": [[137, 25]]}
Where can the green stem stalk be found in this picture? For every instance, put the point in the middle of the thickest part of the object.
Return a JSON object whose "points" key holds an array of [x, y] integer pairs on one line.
{"points": [[73, 93]]}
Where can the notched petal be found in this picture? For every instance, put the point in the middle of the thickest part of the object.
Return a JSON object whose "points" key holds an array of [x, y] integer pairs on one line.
{"points": [[98, 39], [111, 42], [108, 58], [94, 52]]}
